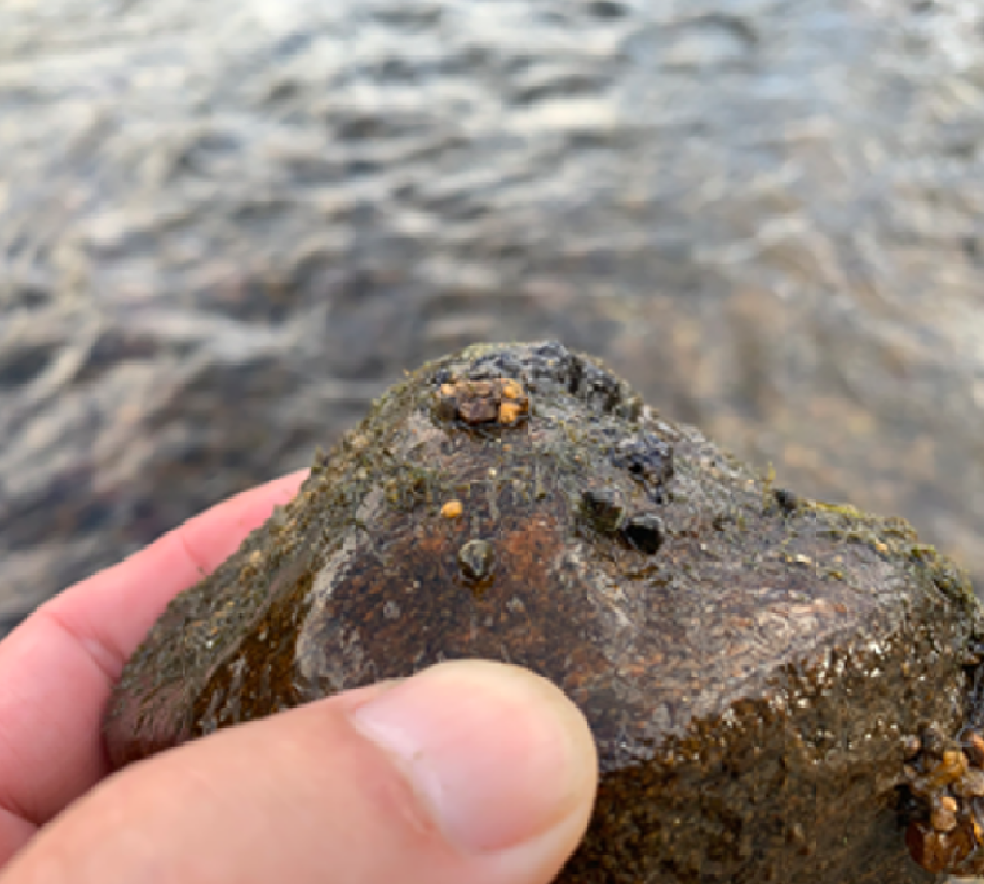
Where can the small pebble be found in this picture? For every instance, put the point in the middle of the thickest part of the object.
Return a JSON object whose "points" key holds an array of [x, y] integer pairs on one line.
{"points": [[452, 509], [948, 770], [974, 748], [943, 820], [910, 747], [477, 411], [933, 742], [512, 390], [476, 559], [480, 388], [954, 765], [971, 785], [509, 412]]}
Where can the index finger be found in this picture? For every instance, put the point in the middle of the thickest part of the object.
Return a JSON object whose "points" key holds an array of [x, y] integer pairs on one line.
{"points": [[58, 667]]}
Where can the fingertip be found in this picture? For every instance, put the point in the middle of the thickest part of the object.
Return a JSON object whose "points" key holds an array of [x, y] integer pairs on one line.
{"points": [[500, 755], [500, 758], [209, 538]]}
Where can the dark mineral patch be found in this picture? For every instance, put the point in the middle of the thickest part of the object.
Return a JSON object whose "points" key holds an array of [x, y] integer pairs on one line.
{"points": [[778, 692], [602, 510], [476, 559], [644, 531]]}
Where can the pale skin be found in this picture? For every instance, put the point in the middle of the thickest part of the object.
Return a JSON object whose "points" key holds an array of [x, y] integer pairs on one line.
{"points": [[468, 773]]}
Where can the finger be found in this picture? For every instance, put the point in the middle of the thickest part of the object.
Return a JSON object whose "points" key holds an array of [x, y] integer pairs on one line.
{"points": [[58, 667], [469, 773]]}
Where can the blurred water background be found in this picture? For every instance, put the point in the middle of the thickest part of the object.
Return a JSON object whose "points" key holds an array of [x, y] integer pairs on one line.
{"points": [[224, 227]]}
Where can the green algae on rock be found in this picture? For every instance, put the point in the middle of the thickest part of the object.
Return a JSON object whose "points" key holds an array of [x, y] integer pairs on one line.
{"points": [[777, 687]]}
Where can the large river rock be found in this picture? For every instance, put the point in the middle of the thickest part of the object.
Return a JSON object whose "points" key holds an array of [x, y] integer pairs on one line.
{"points": [[224, 227], [768, 681]]}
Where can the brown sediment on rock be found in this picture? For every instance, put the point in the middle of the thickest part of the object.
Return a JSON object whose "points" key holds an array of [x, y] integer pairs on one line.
{"points": [[757, 669], [501, 400], [944, 783]]}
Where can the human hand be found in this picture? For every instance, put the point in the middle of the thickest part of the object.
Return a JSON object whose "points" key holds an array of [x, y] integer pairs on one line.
{"points": [[468, 773]]}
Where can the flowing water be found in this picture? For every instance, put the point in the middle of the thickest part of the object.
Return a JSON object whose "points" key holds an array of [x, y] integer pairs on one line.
{"points": [[225, 227]]}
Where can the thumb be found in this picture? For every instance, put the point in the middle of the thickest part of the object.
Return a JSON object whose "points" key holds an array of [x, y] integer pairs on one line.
{"points": [[468, 773]]}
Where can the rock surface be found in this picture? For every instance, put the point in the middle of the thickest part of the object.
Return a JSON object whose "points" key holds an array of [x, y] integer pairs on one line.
{"points": [[774, 684]]}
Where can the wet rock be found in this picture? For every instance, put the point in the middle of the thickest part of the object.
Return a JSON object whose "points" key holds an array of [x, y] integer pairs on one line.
{"points": [[772, 689]]}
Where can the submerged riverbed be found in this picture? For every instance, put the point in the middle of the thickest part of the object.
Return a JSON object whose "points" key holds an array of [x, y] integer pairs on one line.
{"points": [[224, 229]]}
